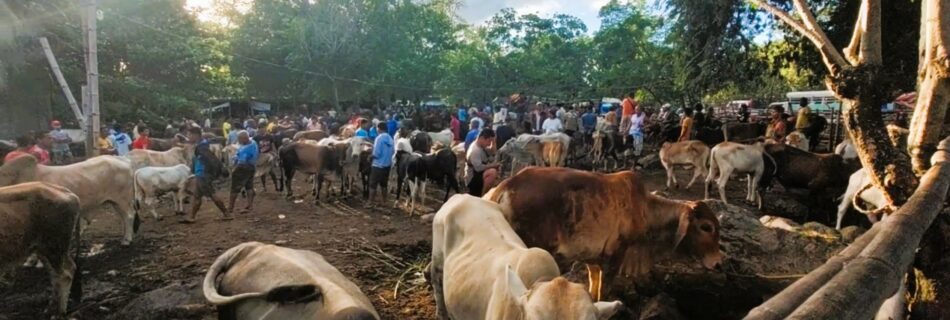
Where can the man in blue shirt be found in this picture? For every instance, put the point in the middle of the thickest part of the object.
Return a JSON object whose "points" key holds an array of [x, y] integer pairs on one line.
{"points": [[589, 122], [233, 135], [363, 131], [205, 168], [242, 178], [383, 150], [471, 136], [121, 141], [392, 125], [463, 114]]}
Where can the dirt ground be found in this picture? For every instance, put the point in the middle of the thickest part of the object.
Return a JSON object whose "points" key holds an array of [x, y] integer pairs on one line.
{"points": [[376, 248]]}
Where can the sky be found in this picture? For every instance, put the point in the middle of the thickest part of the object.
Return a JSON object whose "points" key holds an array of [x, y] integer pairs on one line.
{"points": [[478, 11]]}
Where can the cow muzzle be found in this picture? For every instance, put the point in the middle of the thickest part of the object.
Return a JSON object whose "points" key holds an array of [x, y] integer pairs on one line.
{"points": [[710, 261]]}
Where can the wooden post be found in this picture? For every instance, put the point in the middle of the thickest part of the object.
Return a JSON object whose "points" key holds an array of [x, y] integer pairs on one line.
{"points": [[90, 143], [92, 71], [53, 65]]}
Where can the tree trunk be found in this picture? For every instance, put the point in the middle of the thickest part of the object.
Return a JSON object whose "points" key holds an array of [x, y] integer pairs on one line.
{"points": [[873, 276], [861, 97], [933, 79]]}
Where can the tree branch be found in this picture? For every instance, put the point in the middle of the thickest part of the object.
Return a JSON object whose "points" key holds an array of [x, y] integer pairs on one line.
{"points": [[830, 55], [933, 79], [865, 44]]}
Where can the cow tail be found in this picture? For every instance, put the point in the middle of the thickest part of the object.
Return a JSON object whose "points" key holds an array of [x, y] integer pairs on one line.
{"points": [[221, 265], [725, 132], [136, 193], [774, 163]]}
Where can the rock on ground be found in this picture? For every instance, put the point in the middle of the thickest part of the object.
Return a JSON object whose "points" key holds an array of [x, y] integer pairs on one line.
{"points": [[176, 301]]}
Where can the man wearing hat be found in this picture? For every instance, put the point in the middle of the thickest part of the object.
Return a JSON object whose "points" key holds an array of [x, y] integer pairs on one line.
{"points": [[61, 140]]}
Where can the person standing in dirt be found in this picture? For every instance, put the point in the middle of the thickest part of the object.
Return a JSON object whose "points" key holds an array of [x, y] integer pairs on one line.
{"points": [[383, 149], [205, 168], [242, 178], [60, 147]]}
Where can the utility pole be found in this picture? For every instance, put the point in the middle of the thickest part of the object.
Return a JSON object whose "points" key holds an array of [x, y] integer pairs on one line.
{"points": [[54, 66], [89, 18]]}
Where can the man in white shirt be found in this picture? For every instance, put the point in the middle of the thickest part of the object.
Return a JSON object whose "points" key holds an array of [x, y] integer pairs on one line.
{"points": [[552, 125]]}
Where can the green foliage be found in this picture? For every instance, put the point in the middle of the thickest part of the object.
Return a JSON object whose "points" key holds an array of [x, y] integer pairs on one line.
{"points": [[158, 62]]}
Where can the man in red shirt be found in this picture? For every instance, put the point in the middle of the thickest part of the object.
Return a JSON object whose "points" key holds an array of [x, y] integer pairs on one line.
{"points": [[40, 150], [629, 108], [143, 141], [23, 145]]}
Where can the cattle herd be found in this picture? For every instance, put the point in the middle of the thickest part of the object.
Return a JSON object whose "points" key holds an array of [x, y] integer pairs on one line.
{"points": [[500, 256]]}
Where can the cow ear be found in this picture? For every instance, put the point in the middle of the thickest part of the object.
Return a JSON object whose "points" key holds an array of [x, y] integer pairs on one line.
{"points": [[19, 170], [605, 310], [683, 226], [516, 287]]}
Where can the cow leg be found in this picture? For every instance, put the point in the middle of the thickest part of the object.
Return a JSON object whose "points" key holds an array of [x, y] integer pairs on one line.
{"points": [[670, 177], [412, 195], [422, 194], [316, 188], [288, 180], [723, 180], [150, 203], [62, 269], [697, 172], [594, 276], [130, 216]]}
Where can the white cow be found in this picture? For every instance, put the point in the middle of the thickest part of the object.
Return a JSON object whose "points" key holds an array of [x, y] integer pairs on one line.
{"points": [[153, 182], [798, 140], [259, 281], [142, 158], [97, 181], [444, 137], [525, 149], [871, 195], [847, 150], [482, 270], [728, 157]]}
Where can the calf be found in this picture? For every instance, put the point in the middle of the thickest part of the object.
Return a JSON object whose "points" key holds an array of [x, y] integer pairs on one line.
{"points": [[151, 182], [728, 157], [98, 181], [555, 148], [858, 182], [147, 158], [43, 219], [798, 140], [525, 149], [595, 218], [268, 164], [419, 169], [482, 270], [691, 152], [257, 281], [310, 159], [823, 175]]}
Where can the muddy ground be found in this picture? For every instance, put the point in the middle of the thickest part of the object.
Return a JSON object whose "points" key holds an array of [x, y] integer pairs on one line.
{"points": [[377, 248]]}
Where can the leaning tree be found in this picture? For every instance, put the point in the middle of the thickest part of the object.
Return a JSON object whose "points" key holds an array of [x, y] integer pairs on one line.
{"points": [[853, 283]]}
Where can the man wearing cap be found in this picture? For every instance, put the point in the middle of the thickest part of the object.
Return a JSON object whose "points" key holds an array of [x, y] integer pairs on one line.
{"points": [[61, 140]]}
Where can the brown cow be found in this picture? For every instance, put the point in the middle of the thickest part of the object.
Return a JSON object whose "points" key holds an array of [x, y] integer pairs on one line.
{"points": [[594, 218], [692, 152], [309, 159], [42, 218]]}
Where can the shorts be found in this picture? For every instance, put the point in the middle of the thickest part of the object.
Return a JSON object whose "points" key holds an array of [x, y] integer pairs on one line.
{"points": [[379, 177], [476, 184], [625, 124], [201, 186], [242, 179]]}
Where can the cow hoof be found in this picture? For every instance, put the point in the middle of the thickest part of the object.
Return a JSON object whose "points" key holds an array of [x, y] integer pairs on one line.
{"points": [[159, 218], [126, 243]]}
